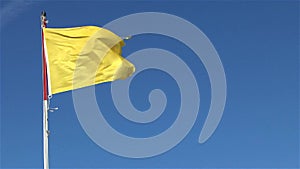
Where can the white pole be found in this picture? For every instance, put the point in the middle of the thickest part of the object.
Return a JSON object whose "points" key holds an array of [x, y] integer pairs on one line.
{"points": [[45, 133], [45, 96]]}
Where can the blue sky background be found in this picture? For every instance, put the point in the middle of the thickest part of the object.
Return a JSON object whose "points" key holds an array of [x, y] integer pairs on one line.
{"points": [[258, 44]]}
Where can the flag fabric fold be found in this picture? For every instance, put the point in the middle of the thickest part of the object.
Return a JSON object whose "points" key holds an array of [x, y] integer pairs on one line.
{"points": [[84, 56]]}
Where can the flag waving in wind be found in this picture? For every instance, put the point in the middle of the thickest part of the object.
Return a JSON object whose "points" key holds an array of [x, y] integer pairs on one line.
{"points": [[83, 56], [78, 57]]}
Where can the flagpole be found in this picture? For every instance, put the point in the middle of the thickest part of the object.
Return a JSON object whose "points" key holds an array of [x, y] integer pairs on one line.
{"points": [[45, 96]]}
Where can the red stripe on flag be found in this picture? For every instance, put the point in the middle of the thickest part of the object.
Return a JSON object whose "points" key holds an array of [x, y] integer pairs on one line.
{"points": [[45, 87]]}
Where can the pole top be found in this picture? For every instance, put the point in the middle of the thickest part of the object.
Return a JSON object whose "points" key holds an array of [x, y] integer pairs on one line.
{"points": [[44, 21], [43, 13]]}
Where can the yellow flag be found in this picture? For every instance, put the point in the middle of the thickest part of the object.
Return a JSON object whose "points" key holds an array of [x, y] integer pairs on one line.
{"points": [[83, 56]]}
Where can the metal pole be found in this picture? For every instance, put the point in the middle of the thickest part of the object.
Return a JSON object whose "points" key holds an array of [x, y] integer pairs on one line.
{"points": [[45, 133], [45, 96]]}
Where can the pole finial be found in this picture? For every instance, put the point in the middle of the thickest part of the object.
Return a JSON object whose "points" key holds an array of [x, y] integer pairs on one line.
{"points": [[44, 21], [43, 13]]}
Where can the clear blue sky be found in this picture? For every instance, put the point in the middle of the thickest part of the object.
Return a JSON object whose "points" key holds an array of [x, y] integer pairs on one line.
{"points": [[258, 44]]}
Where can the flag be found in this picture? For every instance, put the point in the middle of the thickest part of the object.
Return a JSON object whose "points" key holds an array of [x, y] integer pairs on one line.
{"points": [[83, 56]]}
